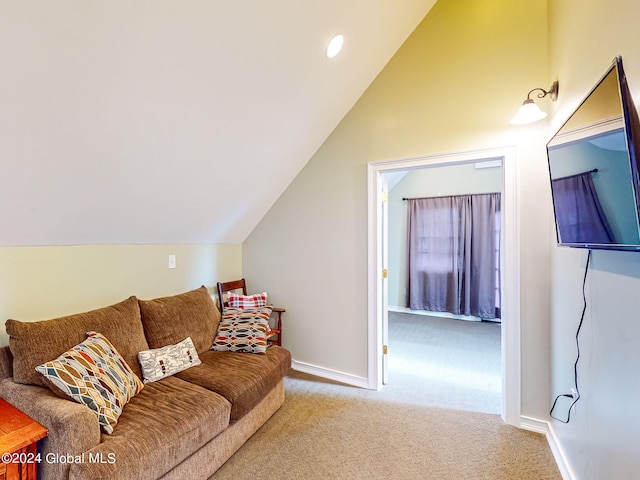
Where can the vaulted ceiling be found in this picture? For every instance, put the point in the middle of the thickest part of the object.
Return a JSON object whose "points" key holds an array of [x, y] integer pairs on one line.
{"points": [[134, 121]]}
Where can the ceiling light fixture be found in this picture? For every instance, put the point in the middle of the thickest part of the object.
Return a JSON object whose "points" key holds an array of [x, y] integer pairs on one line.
{"points": [[335, 45], [530, 112]]}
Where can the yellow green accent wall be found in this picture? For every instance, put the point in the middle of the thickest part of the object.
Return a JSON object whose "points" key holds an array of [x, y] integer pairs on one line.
{"points": [[38, 283]]}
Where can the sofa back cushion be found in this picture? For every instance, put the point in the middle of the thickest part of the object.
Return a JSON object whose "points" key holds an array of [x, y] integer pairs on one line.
{"points": [[169, 320], [34, 343]]}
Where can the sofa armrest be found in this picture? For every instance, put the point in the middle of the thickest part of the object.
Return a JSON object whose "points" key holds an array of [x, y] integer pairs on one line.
{"points": [[72, 427], [6, 363]]}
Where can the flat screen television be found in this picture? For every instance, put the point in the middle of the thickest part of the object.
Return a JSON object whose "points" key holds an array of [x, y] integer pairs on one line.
{"points": [[593, 166]]}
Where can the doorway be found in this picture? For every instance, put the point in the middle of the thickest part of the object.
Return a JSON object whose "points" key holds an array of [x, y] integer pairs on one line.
{"points": [[377, 287]]}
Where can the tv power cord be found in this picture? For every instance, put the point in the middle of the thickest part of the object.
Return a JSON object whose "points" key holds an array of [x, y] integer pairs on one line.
{"points": [[575, 393]]}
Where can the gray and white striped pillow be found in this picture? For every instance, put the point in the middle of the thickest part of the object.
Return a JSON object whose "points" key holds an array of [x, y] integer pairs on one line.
{"points": [[163, 362]]}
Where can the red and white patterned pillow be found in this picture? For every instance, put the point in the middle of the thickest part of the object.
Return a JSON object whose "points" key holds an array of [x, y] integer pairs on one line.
{"points": [[259, 300]]}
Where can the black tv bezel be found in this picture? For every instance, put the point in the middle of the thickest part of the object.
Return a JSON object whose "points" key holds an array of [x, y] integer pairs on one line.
{"points": [[632, 136]]}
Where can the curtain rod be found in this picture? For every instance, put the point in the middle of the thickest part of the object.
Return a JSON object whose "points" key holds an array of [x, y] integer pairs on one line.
{"points": [[445, 196], [595, 170]]}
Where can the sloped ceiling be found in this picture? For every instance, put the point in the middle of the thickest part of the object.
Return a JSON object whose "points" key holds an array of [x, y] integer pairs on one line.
{"points": [[168, 121]]}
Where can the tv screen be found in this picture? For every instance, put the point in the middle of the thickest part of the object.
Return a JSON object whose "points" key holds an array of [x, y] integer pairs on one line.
{"points": [[594, 171]]}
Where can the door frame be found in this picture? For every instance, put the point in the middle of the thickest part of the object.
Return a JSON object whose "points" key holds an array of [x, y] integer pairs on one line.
{"points": [[510, 331], [384, 281]]}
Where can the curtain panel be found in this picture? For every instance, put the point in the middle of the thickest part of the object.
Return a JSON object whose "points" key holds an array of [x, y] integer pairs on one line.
{"points": [[453, 246], [579, 214]]}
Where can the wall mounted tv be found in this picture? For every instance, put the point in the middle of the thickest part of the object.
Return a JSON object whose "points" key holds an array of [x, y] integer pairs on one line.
{"points": [[593, 165]]}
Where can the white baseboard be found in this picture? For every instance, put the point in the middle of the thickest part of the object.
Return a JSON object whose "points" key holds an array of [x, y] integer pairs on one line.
{"points": [[534, 425], [334, 375], [395, 308], [540, 426]]}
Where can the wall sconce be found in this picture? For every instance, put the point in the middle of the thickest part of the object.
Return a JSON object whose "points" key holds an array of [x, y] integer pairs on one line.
{"points": [[530, 112]]}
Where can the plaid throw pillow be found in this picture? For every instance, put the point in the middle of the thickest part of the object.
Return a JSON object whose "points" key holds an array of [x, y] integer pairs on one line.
{"points": [[259, 300]]}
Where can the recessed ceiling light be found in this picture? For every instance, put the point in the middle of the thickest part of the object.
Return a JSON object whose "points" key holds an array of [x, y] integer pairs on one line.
{"points": [[335, 45]]}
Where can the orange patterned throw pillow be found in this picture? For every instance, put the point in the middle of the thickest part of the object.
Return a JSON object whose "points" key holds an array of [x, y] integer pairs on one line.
{"points": [[94, 374], [243, 331]]}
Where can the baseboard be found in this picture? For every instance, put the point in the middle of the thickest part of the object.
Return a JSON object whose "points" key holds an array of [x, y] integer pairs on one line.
{"points": [[395, 308], [534, 425], [329, 374], [540, 426]]}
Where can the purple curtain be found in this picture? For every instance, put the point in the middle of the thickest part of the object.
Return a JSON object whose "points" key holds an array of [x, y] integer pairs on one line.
{"points": [[579, 215], [453, 246]]}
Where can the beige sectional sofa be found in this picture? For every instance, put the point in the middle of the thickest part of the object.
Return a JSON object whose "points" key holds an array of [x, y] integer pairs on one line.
{"points": [[182, 426]]}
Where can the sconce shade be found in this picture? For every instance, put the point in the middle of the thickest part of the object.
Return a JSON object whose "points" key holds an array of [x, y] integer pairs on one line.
{"points": [[529, 112]]}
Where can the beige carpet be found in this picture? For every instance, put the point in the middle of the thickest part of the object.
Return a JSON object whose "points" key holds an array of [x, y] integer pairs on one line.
{"points": [[326, 430]]}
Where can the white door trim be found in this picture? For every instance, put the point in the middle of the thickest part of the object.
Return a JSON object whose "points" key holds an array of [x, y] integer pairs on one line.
{"points": [[511, 359]]}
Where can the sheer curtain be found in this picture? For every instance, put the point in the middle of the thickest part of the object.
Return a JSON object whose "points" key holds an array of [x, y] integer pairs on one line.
{"points": [[453, 246]]}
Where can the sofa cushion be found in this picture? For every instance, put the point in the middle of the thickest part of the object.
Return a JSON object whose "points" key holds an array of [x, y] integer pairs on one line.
{"points": [[169, 320], [162, 362], [34, 343], [94, 374], [242, 331], [241, 378], [161, 426]]}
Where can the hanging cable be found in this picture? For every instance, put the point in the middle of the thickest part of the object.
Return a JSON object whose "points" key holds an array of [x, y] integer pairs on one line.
{"points": [[575, 397]]}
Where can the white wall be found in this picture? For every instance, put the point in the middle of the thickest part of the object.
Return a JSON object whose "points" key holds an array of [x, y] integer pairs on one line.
{"points": [[601, 440], [428, 182], [452, 86], [38, 283]]}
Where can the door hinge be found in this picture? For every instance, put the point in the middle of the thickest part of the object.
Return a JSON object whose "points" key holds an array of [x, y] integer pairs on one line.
{"points": [[385, 274], [385, 196], [385, 350]]}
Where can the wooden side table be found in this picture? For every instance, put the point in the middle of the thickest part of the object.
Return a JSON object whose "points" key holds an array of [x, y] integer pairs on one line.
{"points": [[18, 436]]}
